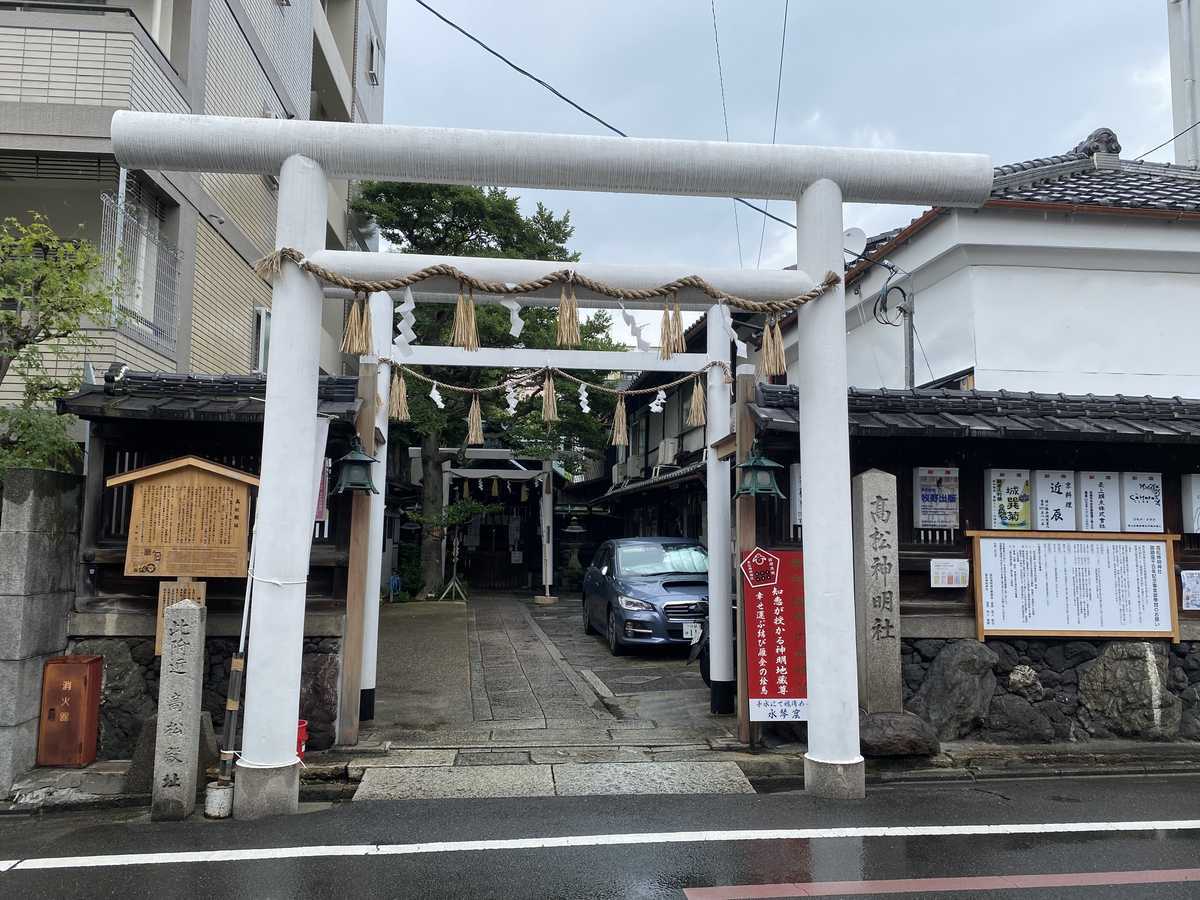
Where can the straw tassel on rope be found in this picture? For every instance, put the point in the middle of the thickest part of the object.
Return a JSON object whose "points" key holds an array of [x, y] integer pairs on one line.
{"points": [[474, 421], [549, 400], [357, 339], [771, 360], [620, 427], [567, 330], [677, 330], [695, 413], [398, 407], [666, 334], [466, 335]]}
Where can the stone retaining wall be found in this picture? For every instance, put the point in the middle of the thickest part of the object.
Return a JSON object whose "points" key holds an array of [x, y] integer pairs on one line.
{"points": [[130, 694], [1039, 690]]}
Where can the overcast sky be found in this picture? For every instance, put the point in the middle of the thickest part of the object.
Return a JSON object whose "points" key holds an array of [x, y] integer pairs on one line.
{"points": [[1016, 79]]}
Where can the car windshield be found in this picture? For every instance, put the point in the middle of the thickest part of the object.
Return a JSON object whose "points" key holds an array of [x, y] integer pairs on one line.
{"points": [[662, 559]]}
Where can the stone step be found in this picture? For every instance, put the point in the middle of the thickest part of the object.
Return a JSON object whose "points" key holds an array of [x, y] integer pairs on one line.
{"points": [[563, 780]]}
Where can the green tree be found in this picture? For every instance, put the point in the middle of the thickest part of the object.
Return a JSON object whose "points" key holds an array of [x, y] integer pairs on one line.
{"points": [[50, 288], [450, 220]]}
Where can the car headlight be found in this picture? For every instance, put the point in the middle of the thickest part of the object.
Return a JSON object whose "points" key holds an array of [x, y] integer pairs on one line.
{"points": [[632, 603]]}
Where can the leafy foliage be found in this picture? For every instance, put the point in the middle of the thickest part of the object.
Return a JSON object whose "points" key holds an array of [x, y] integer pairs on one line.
{"points": [[50, 289]]}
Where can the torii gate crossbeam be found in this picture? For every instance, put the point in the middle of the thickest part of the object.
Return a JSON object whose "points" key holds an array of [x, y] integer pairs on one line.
{"points": [[304, 154]]}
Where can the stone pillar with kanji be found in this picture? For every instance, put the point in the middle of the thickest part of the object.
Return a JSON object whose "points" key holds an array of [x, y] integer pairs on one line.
{"points": [[877, 591], [173, 792]]}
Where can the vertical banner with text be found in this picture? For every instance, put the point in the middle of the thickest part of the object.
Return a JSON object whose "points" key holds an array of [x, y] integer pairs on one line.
{"points": [[777, 680]]}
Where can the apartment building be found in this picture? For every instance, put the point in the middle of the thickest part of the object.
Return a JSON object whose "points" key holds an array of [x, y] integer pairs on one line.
{"points": [[179, 249]]}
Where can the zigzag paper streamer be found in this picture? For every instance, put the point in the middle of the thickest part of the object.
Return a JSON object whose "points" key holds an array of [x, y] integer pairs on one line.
{"points": [[659, 401], [727, 317], [515, 323], [510, 396], [634, 327], [583, 399], [436, 396], [405, 335]]}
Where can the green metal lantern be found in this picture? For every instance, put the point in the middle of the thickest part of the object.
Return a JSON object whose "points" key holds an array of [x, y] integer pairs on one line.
{"points": [[758, 476], [354, 471]]}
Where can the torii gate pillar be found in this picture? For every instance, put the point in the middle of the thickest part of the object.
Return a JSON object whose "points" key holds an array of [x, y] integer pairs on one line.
{"points": [[833, 765]]}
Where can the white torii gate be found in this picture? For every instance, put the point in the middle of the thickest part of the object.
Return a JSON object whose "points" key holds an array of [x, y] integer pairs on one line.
{"points": [[304, 154]]}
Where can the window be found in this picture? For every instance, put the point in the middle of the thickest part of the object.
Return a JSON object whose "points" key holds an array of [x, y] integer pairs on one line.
{"points": [[662, 559], [262, 338], [373, 66]]}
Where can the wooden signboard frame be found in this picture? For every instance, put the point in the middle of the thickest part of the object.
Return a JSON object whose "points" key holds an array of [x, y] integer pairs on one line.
{"points": [[189, 517], [977, 577]]}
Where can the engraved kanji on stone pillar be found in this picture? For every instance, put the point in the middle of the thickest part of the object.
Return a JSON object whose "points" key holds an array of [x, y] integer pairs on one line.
{"points": [[179, 696], [877, 591]]}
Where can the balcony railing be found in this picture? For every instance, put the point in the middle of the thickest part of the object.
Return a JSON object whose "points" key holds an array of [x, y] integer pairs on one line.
{"points": [[142, 269]]}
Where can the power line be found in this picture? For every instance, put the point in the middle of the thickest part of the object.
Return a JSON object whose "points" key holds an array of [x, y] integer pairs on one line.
{"points": [[725, 115], [591, 115], [1167, 141], [774, 126]]}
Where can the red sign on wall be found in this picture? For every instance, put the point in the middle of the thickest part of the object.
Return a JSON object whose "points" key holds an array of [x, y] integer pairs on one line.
{"points": [[773, 593]]}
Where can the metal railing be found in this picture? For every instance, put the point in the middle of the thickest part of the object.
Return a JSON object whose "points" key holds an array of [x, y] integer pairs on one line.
{"points": [[142, 269]]}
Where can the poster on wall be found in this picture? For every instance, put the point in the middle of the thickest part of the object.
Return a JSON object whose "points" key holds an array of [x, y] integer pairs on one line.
{"points": [[773, 598], [1191, 503], [1008, 499], [1032, 585], [935, 497], [1053, 500], [1191, 588], [949, 573], [1098, 499], [1141, 501]]}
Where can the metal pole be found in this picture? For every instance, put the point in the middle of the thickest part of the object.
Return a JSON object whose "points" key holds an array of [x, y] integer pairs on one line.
{"points": [[745, 509], [833, 766], [381, 333], [268, 770], [910, 378], [720, 550]]}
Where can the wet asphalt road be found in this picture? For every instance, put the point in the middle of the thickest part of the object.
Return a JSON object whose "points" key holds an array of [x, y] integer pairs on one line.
{"points": [[642, 870]]}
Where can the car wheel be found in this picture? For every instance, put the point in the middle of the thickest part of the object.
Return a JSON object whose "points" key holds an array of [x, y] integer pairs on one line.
{"points": [[614, 643], [587, 619]]}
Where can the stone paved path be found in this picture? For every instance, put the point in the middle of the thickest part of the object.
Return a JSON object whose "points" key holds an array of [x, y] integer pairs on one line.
{"points": [[544, 698]]}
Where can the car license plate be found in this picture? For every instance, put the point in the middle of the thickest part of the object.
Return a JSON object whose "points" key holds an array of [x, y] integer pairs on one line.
{"points": [[692, 631]]}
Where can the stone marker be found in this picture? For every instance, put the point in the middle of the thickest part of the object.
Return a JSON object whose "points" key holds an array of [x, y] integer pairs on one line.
{"points": [[173, 790], [877, 591]]}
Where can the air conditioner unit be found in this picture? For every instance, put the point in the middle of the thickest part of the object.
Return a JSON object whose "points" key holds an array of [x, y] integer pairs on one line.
{"points": [[619, 473], [668, 450]]}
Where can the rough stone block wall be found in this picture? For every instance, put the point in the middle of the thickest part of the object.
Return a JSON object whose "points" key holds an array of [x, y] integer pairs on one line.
{"points": [[39, 536], [130, 694], [1041, 690]]}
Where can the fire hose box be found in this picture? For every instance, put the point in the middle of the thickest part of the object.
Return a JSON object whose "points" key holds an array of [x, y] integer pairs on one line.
{"points": [[70, 717]]}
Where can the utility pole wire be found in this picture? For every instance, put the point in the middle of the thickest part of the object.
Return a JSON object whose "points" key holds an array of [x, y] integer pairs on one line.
{"points": [[1167, 141], [774, 127], [591, 115], [725, 115]]}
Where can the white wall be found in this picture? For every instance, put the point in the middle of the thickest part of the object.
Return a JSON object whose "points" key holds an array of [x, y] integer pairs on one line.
{"points": [[1040, 302]]}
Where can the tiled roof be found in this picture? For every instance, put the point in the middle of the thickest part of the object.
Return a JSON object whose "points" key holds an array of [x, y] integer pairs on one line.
{"points": [[692, 471], [1093, 174], [126, 394], [937, 412]]}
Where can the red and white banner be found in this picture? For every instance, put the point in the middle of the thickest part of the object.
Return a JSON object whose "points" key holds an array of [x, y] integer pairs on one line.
{"points": [[773, 597]]}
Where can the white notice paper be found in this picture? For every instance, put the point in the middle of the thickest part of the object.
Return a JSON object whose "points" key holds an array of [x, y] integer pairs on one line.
{"points": [[949, 573], [1039, 586], [1142, 501], [1191, 589], [935, 497]]}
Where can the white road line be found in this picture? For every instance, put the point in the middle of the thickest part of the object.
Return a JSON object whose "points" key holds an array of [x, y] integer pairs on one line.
{"points": [[584, 840]]}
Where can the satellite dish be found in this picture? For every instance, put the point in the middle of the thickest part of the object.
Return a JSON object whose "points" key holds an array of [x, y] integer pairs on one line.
{"points": [[854, 240]]}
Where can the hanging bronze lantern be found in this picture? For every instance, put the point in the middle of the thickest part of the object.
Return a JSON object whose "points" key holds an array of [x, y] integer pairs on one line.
{"points": [[758, 476], [354, 471]]}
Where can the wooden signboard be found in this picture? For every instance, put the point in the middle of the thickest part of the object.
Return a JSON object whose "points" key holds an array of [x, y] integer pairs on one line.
{"points": [[1072, 584], [171, 592], [190, 517]]}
